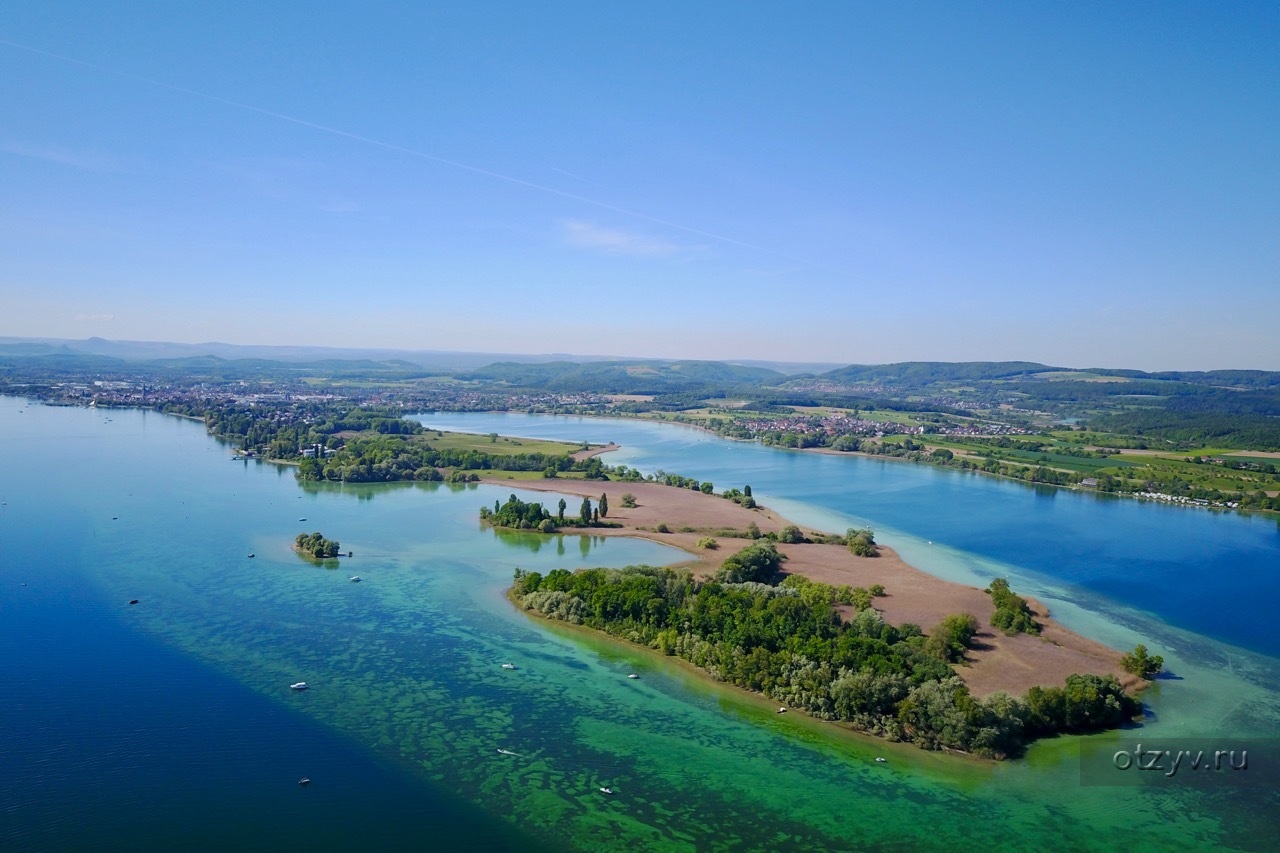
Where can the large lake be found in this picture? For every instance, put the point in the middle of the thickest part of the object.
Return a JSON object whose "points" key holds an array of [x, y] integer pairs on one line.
{"points": [[170, 723]]}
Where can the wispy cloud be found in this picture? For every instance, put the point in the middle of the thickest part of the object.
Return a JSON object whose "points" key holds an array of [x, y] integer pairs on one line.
{"points": [[612, 241], [63, 156], [94, 318]]}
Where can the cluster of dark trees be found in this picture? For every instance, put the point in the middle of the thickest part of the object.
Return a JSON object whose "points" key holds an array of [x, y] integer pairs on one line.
{"points": [[1013, 614], [283, 431], [522, 515], [1185, 430], [795, 649], [388, 458], [316, 545], [679, 481]]}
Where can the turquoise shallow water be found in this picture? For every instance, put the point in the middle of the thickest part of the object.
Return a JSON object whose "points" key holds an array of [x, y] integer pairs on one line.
{"points": [[171, 723]]}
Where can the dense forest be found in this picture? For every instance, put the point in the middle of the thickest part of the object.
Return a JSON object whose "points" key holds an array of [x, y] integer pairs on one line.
{"points": [[793, 647]]}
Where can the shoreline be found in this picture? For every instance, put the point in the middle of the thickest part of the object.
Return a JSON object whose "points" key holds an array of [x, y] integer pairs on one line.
{"points": [[829, 451], [764, 704], [997, 661]]}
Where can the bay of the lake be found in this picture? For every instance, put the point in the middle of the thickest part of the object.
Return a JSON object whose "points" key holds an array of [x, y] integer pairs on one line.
{"points": [[170, 723]]}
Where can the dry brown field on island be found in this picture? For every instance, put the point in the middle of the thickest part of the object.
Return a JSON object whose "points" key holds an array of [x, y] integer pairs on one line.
{"points": [[996, 662]]}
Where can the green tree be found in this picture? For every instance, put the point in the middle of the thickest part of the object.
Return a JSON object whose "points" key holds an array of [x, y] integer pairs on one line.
{"points": [[862, 542], [604, 506], [1012, 614], [759, 562], [790, 535], [584, 512], [562, 506], [951, 637], [1142, 664], [628, 500]]}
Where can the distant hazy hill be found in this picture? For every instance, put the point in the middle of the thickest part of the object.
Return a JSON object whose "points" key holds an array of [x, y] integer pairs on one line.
{"points": [[626, 377], [151, 351], [927, 372]]}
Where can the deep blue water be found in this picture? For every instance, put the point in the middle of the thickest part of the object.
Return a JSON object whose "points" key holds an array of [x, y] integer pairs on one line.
{"points": [[114, 740]]}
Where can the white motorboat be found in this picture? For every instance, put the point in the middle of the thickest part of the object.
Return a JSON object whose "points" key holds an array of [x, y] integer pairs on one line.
{"points": [[507, 752], [879, 760], [301, 685], [633, 675], [606, 791], [354, 579], [508, 666], [782, 710]]}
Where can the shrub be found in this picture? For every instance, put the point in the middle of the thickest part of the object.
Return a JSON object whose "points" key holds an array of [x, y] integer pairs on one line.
{"points": [[759, 562], [862, 542], [951, 637], [1141, 664], [790, 535], [1012, 615]]}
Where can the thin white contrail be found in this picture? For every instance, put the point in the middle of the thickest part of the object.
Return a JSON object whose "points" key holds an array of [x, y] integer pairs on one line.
{"points": [[389, 146]]}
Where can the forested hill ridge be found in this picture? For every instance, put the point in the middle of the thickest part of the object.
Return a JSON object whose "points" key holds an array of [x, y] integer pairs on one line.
{"points": [[628, 377]]}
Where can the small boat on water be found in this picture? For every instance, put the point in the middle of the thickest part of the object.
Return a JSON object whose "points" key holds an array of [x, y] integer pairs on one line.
{"points": [[301, 685], [606, 791], [131, 601], [507, 752], [302, 519], [782, 710], [251, 556], [633, 675], [354, 579], [304, 781], [879, 760], [508, 666]]}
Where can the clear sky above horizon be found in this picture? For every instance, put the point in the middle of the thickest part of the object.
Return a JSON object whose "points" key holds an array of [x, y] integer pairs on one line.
{"points": [[1077, 184]]}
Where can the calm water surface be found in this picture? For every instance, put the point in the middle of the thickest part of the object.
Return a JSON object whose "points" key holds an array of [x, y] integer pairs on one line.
{"points": [[170, 723]]}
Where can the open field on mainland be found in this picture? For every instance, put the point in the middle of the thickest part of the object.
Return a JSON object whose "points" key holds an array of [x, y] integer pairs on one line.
{"points": [[498, 474], [1060, 461]]}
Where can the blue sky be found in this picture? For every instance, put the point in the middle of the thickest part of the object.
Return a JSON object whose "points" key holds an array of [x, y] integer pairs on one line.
{"points": [[1080, 184]]}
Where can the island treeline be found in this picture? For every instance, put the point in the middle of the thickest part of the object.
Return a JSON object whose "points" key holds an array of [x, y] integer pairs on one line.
{"points": [[793, 647], [316, 545]]}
